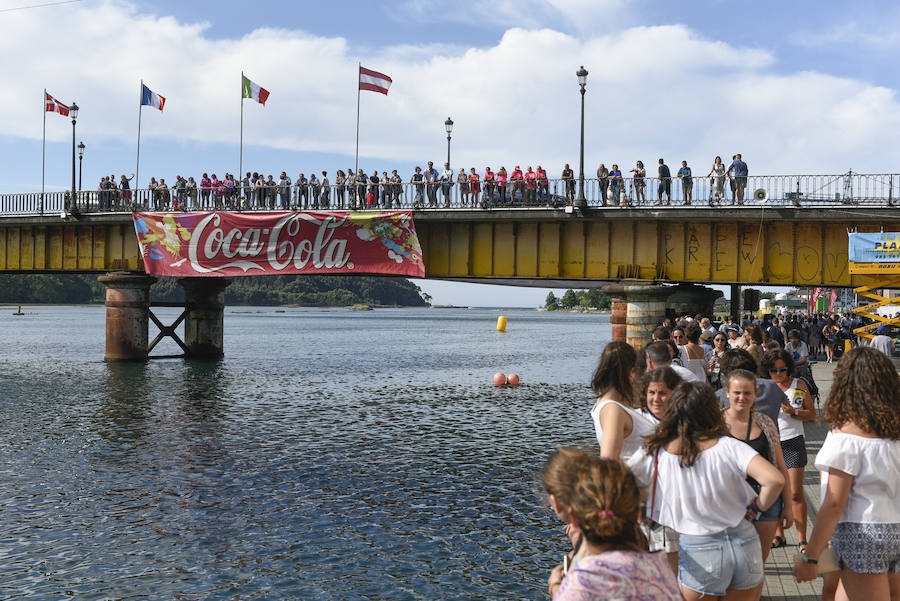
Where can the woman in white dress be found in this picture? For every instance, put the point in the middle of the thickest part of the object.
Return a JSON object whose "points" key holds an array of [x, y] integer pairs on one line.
{"points": [[718, 177]]}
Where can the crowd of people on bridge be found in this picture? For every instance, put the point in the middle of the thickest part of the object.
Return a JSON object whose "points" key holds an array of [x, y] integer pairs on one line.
{"points": [[355, 189], [700, 465]]}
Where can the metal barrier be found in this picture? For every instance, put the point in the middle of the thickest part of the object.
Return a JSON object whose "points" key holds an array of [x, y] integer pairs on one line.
{"points": [[779, 190]]}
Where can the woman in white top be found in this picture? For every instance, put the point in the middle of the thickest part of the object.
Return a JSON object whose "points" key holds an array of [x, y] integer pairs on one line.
{"points": [[620, 428], [718, 176], [859, 462], [696, 476], [693, 355], [796, 408]]}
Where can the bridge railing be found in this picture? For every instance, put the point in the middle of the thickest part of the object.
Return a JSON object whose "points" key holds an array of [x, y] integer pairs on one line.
{"points": [[778, 190]]}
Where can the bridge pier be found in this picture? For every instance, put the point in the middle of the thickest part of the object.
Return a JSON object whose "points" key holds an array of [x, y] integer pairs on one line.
{"points": [[643, 308], [127, 315], [204, 326]]}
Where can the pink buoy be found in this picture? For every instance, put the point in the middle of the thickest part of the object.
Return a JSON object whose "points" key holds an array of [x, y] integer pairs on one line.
{"points": [[499, 379], [512, 380]]}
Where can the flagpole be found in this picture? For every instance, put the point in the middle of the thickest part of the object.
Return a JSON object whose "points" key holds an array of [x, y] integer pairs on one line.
{"points": [[137, 169], [358, 66], [241, 151], [43, 150]]}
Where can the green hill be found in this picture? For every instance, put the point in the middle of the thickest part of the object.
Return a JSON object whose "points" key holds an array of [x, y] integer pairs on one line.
{"points": [[319, 291]]}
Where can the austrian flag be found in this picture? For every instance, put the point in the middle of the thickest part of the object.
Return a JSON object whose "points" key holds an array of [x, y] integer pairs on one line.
{"points": [[52, 105], [373, 81]]}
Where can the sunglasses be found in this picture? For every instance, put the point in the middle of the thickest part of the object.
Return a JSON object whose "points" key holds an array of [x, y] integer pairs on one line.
{"points": [[720, 340], [777, 370]]}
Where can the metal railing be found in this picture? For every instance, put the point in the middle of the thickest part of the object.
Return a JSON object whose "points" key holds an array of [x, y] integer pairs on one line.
{"points": [[779, 190]]}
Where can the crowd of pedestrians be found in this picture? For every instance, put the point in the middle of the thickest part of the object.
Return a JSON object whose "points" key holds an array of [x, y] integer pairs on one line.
{"points": [[701, 459], [426, 188]]}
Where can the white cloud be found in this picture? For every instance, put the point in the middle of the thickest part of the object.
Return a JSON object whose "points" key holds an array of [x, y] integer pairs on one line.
{"points": [[652, 91]]}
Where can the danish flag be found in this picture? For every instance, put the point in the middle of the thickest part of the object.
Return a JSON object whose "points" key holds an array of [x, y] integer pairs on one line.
{"points": [[52, 105]]}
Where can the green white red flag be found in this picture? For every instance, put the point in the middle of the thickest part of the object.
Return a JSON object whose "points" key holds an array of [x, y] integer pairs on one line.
{"points": [[253, 90]]}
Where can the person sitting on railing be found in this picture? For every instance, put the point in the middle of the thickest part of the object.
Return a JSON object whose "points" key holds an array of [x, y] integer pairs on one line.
{"points": [[417, 180], [687, 182], [717, 173], [487, 200], [665, 183], [502, 178], [602, 181], [474, 186], [543, 185], [738, 169], [517, 177], [615, 182], [639, 183], [446, 183], [463, 181], [530, 186]]}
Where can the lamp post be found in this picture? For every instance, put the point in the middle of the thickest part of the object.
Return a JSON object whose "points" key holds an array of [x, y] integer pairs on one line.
{"points": [[448, 125], [80, 157], [73, 112], [580, 202]]}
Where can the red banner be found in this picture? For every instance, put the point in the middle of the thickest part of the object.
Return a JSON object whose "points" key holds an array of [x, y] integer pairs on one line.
{"points": [[832, 300], [235, 244], [814, 298]]}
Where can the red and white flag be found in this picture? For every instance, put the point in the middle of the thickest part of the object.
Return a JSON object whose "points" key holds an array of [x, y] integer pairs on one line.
{"points": [[52, 105], [373, 81], [814, 299], [832, 300]]}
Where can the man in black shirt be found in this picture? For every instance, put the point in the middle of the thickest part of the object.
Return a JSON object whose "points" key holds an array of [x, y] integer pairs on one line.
{"points": [[665, 182]]}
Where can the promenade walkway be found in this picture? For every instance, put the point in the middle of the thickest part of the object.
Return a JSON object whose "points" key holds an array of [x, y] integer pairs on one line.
{"points": [[780, 583]]}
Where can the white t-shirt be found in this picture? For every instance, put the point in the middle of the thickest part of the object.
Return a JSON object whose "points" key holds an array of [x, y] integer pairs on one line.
{"points": [[874, 464], [641, 429], [883, 343], [789, 426], [707, 497], [686, 374], [798, 352]]}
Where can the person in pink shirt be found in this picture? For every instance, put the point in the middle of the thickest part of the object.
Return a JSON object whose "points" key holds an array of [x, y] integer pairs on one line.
{"points": [[474, 186], [502, 178], [530, 186], [489, 179], [205, 187], [543, 185], [517, 177]]}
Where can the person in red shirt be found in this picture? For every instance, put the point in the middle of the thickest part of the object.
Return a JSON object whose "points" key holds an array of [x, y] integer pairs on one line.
{"points": [[474, 186], [517, 177], [502, 178], [488, 198], [542, 185], [530, 186]]}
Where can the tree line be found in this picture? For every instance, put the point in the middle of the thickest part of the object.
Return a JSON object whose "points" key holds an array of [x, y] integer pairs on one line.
{"points": [[592, 298], [274, 290]]}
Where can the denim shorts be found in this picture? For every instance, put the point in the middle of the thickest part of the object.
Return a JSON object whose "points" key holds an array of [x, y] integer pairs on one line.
{"points": [[773, 513], [713, 563]]}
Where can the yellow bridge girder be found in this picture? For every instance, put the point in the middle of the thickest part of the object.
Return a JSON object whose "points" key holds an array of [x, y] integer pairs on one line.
{"points": [[713, 247]]}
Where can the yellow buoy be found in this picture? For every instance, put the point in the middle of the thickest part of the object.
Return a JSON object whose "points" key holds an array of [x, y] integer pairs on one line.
{"points": [[501, 323]]}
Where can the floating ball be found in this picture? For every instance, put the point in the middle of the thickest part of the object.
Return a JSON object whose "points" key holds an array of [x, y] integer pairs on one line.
{"points": [[512, 380], [501, 323], [499, 379]]}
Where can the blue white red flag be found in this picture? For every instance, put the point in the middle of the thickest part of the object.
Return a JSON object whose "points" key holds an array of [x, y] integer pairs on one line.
{"points": [[150, 98]]}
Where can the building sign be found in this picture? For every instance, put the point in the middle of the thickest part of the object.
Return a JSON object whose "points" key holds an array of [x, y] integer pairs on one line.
{"points": [[874, 252], [237, 244]]}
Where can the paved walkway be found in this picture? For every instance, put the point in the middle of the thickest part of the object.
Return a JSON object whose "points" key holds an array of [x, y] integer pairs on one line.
{"points": [[780, 583]]}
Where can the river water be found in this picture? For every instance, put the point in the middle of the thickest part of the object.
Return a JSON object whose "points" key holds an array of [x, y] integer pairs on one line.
{"points": [[330, 455]]}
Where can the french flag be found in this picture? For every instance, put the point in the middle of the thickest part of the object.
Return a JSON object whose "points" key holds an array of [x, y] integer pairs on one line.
{"points": [[150, 98]]}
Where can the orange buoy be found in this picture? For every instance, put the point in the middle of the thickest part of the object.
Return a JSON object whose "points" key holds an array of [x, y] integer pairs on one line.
{"points": [[499, 379], [512, 380]]}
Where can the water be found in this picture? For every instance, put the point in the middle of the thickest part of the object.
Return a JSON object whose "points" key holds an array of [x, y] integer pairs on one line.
{"points": [[330, 455]]}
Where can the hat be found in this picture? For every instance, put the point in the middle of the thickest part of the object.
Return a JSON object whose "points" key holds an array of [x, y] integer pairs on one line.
{"points": [[707, 335], [794, 334], [732, 328], [881, 329]]}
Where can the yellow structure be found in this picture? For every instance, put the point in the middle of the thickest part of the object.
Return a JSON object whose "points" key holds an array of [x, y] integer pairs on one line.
{"points": [[76, 247], [870, 309]]}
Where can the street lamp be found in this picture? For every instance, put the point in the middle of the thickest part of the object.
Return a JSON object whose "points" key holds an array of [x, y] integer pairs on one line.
{"points": [[448, 125], [73, 112], [580, 202], [80, 156]]}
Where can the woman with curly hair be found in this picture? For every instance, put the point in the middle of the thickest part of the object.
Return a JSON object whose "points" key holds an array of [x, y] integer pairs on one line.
{"points": [[620, 428], [696, 476], [859, 461], [796, 408], [599, 502]]}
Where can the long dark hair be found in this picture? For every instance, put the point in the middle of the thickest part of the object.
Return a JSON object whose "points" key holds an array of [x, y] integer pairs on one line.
{"points": [[614, 371], [694, 414]]}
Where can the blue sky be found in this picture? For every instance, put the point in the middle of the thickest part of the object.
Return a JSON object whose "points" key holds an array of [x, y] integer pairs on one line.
{"points": [[796, 87]]}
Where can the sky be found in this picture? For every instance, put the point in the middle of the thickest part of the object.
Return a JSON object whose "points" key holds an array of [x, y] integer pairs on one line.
{"points": [[795, 87]]}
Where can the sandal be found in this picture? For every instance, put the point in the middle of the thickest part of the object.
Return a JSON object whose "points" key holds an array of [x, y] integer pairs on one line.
{"points": [[778, 542], [803, 545]]}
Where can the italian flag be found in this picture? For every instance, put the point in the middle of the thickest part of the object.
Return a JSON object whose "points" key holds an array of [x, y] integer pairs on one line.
{"points": [[254, 91]]}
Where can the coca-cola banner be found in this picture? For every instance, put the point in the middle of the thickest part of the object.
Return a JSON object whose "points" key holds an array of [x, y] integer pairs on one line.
{"points": [[233, 244]]}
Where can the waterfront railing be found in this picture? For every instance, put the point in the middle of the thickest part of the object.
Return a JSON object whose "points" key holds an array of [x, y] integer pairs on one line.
{"points": [[810, 191]]}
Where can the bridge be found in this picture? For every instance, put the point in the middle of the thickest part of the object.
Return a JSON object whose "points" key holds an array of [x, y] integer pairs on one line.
{"points": [[632, 251]]}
